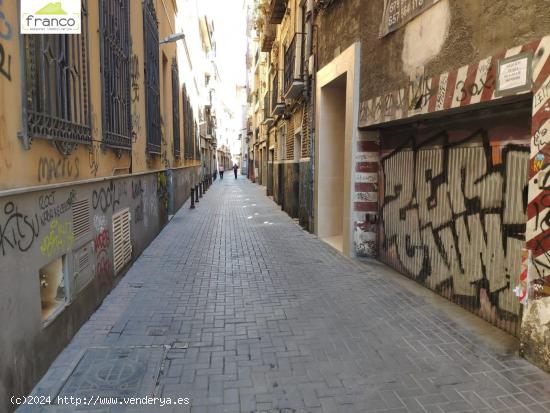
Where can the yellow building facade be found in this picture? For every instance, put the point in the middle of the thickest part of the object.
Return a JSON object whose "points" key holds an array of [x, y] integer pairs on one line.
{"points": [[99, 147]]}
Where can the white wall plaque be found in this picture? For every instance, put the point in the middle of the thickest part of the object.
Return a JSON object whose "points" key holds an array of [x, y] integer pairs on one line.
{"points": [[514, 75]]}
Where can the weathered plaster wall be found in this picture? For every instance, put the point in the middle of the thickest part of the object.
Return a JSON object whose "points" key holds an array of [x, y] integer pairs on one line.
{"points": [[535, 332], [477, 29], [338, 27]]}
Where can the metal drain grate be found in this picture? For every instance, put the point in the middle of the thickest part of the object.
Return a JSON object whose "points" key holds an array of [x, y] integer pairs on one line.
{"points": [[115, 372]]}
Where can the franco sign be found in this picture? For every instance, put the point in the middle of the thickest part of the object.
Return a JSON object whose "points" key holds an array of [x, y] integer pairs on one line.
{"points": [[398, 12]]}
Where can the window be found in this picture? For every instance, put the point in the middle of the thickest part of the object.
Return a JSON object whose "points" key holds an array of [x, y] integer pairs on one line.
{"points": [[176, 107], [115, 60], [56, 103], [187, 125], [152, 77]]}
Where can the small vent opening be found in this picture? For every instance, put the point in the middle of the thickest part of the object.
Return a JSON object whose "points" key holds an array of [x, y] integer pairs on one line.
{"points": [[81, 218]]}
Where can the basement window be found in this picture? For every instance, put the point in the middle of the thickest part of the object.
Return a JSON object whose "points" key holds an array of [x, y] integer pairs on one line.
{"points": [[53, 289]]}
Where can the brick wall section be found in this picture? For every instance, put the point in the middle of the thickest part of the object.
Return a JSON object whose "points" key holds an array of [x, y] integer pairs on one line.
{"points": [[338, 28], [290, 138]]}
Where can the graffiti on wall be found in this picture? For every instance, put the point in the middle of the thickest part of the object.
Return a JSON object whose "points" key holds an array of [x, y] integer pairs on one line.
{"points": [[538, 214], [138, 191], [93, 158], [5, 63], [467, 85], [454, 218], [134, 74], [6, 146], [50, 210], [135, 116], [164, 145], [51, 169], [18, 231], [102, 242], [100, 222], [108, 197], [6, 33], [58, 240], [162, 190]]}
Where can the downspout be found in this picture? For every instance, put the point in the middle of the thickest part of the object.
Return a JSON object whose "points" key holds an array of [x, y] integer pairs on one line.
{"points": [[310, 101]]}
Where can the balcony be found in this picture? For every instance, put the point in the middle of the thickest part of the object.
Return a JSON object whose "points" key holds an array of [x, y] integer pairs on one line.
{"points": [[294, 68], [276, 11], [268, 120], [277, 103], [268, 35]]}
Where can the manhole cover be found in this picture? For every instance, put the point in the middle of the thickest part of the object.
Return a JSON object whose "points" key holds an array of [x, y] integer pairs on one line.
{"points": [[115, 372]]}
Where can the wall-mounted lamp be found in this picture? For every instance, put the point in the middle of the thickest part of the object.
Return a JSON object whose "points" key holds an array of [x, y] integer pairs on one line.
{"points": [[173, 38]]}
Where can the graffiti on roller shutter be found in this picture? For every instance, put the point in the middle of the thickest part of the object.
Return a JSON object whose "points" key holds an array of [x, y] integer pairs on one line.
{"points": [[454, 217]]}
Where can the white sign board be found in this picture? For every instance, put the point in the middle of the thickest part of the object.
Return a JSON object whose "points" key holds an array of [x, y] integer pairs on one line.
{"points": [[50, 16], [514, 75]]}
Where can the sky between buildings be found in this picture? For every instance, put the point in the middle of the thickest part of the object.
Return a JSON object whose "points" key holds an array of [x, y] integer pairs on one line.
{"points": [[229, 17]]}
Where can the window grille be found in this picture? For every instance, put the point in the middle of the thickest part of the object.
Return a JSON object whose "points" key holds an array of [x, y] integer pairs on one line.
{"points": [[115, 59], [152, 77], [56, 103], [197, 141], [187, 125], [176, 107]]}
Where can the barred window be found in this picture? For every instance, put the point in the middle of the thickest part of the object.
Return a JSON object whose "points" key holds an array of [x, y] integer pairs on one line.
{"points": [[56, 104], [115, 59], [152, 77], [197, 141], [176, 108], [187, 125]]}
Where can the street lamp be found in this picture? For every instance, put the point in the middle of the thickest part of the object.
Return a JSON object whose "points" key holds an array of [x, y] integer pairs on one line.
{"points": [[173, 38]]}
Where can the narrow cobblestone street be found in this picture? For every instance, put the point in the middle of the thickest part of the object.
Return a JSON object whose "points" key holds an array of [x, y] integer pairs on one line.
{"points": [[237, 308]]}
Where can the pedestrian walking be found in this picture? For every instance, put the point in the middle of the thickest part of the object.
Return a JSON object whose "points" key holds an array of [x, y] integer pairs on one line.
{"points": [[221, 171], [235, 169]]}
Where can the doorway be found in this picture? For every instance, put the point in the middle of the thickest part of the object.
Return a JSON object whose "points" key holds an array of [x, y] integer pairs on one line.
{"points": [[331, 163], [337, 109]]}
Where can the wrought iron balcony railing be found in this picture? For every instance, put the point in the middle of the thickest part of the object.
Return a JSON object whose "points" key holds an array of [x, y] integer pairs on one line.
{"points": [[277, 104], [294, 67], [277, 10], [268, 36]]}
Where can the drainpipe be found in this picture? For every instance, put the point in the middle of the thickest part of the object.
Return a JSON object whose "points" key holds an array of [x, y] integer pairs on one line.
{"points": [[310, 100]]}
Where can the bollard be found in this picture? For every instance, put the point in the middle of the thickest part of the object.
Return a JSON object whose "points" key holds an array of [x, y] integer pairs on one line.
{"points": [[204, 186], [196, 194], [200, 189], [192, 198]]}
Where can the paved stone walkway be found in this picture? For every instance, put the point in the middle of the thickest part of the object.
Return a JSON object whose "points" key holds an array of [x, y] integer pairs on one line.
{"points": [[238, 309]]}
